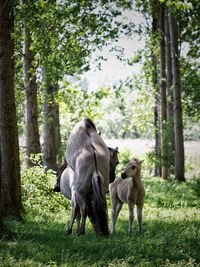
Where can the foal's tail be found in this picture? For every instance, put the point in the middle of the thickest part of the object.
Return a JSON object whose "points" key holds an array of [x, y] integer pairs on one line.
{"points": [[97, 208]]}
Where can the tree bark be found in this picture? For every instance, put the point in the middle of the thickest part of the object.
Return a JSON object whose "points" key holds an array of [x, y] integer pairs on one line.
{"points": [[178, 121], [31, 118], [51, 128], [157, 169], [10, 193], [155, 13], [163, 93], [1, 198], [169, 90]]}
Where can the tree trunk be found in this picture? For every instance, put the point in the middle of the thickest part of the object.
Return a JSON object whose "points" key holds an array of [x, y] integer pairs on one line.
{"points": [[57, 131], [178, 121], [1, 199], [32, 131], [163, 93], [10, 194], [157, 168], [51, 128], [169, 90]]}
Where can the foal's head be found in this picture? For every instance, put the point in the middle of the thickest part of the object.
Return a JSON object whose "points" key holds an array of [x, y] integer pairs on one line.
{"points": [[133, 168]]}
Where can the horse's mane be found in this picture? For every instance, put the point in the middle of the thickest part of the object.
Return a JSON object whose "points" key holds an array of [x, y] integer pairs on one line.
{"points": [[89, 124]]}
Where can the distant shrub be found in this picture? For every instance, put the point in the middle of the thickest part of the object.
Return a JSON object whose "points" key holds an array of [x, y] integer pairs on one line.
{"points": [[192, 130], [196, 187], [124, 158], [171, 194]]}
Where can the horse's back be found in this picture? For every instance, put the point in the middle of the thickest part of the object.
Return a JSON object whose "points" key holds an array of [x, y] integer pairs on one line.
{"points": [[89, 157], [77, 140], [84, 147]]}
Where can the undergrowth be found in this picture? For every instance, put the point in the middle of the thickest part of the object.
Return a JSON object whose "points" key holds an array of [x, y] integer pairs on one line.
{"points": [[171, 232]]}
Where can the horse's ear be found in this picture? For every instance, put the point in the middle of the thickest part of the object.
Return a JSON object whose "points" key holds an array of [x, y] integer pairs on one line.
{"points": [[140, 161], [117, 149]]}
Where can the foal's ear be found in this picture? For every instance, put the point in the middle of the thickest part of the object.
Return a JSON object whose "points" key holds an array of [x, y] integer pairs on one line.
{"points": [[140, 161], [117, 149]]}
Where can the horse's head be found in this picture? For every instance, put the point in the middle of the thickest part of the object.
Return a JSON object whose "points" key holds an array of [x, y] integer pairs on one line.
{"points": [[132, 169], [113, 163], [62, 167]]}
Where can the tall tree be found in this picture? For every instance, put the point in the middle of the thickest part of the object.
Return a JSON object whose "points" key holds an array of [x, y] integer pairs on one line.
{"points": [[178, 121], [31, 108], [154, 57], [51, 127], [75, 28], [169, 92], [10, 197], [163, 99], [1, 199]]}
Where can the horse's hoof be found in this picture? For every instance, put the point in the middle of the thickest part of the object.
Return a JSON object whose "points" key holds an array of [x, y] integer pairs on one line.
{"points": [[56, 188]]}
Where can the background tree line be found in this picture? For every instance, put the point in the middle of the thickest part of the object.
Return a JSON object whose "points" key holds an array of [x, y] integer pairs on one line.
{"points": [[43, 42]]}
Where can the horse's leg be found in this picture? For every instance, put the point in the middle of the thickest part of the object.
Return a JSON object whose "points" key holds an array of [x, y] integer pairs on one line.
{"points": [[131, 216], [117, 206], [139, 217], [73, 216], [78, 219], [114, 210], [83, 210]]}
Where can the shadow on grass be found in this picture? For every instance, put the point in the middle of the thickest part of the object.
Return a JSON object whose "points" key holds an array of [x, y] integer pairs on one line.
{"points": [[45, 244]]}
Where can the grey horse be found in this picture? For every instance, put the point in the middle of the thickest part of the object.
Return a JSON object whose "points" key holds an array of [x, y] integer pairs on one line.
{"points": [[65, 183], [88, 156]]}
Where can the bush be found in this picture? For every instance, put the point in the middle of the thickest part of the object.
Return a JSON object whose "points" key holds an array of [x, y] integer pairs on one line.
{"points": [[124, 158], [38, 197]]}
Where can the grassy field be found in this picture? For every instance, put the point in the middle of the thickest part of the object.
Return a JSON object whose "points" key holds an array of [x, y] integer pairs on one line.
{"points": [[171, 235], [171, 224]]}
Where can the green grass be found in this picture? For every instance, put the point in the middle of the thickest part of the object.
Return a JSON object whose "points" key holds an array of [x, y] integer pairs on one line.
{"points": [[171, 234]]}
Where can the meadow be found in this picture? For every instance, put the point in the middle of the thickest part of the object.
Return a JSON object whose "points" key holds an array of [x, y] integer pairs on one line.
{"points": [[171, 229]]}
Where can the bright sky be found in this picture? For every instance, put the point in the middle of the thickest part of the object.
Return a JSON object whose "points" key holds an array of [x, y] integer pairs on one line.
{"points": [[113, 69]]}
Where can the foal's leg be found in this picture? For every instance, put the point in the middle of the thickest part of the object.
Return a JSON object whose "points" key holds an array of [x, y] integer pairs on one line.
{"points": [[116, 207], [131, 217], [139, 217], [119, 207]]}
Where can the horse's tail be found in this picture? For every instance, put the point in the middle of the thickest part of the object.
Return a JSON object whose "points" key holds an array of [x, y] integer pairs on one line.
{"points": [[97, 208]]}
